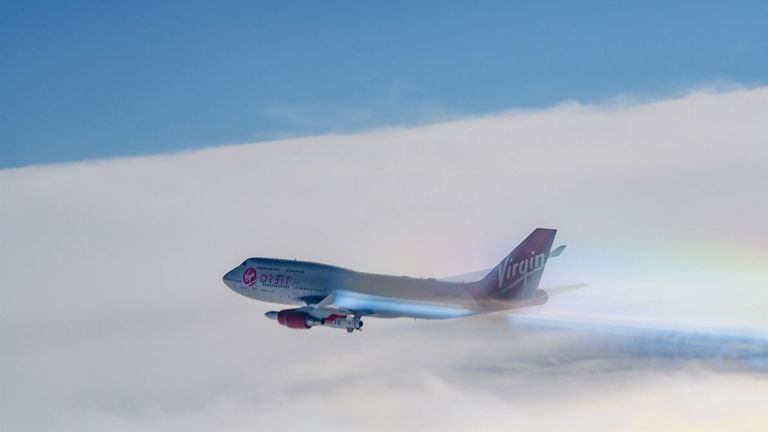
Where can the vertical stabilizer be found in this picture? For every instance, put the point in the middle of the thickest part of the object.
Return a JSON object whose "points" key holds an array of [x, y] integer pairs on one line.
{"points": [[517, 276]]}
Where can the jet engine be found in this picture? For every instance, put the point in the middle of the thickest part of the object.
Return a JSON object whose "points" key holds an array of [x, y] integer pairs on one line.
{"points": [[295, 319]]}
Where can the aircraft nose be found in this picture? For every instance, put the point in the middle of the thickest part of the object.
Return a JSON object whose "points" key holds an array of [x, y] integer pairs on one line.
{"points": [[232, 278]]}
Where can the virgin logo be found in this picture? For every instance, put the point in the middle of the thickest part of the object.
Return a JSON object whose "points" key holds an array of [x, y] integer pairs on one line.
{"points": [[249, 276], [508, 270]]}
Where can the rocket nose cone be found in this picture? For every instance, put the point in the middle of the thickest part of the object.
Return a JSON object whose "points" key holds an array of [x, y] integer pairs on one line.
{"points": [[271, 315]]}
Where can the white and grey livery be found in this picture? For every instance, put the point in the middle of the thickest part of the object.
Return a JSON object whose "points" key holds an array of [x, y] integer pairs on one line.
{"points": [[336, 297]]}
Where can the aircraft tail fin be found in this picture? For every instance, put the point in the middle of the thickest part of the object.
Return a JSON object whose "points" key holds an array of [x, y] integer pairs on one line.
{"points": [[517, 276]]}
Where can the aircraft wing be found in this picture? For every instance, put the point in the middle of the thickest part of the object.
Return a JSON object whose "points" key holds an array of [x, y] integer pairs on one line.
{"points": [[354, 303], [325, 308]]}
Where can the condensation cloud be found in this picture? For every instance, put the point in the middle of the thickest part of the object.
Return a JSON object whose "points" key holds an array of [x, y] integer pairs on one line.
{"points": [[114, 316]]}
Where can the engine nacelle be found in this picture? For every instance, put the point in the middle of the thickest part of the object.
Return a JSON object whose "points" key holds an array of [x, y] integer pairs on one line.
{"points": [[294, 319]]}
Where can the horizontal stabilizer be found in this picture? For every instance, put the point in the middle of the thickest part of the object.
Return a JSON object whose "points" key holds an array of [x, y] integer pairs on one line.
{"points": [[554, 253], [563, 289], [467, 277]]}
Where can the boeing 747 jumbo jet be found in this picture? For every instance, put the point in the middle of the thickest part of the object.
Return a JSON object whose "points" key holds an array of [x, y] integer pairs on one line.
{"points": [[336, 297]]}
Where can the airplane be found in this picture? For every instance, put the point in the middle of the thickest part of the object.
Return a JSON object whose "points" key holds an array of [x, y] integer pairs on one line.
{"points": [[336, 297]]}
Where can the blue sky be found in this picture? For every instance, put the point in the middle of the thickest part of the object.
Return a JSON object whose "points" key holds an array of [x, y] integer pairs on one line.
{"points": [[82, 80]]}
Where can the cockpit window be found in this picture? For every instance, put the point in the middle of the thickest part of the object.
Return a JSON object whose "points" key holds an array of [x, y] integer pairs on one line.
{"points": [[245, 263]]}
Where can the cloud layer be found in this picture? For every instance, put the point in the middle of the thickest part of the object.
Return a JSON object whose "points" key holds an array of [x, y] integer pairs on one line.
{"points": [[115, 316]]}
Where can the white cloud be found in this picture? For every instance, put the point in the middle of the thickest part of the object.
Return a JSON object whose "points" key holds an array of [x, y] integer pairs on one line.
{"points": [[114, 315]]}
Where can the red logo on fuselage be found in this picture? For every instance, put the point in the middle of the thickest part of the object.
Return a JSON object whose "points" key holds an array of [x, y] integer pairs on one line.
{"points": [[249, 276]]}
